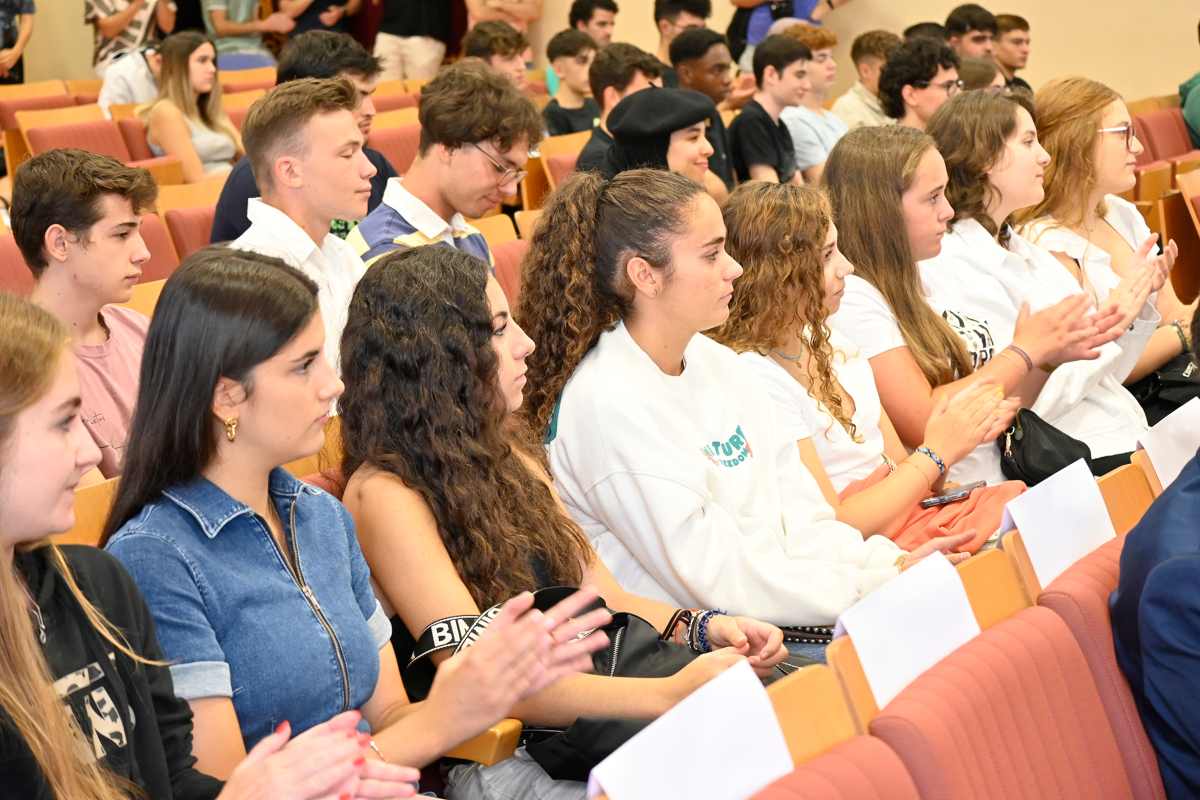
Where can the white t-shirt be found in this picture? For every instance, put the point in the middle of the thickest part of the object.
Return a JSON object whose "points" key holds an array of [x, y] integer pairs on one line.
{"points": [[690, 495], [975, 276], [802, 416], [813, 134], [865, 319]]}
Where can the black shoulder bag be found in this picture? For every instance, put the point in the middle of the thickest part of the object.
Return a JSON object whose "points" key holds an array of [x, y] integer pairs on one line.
{"points": [[1033, 449]]}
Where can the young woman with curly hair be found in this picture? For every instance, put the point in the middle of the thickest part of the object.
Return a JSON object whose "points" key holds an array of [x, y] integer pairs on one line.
{"points": [[823, 389], [988, 272], [442, 475], [888, 187], [663, 445]]}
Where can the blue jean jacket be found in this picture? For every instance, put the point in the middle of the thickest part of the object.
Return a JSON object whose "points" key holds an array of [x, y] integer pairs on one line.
{"points": [[237, 620]]}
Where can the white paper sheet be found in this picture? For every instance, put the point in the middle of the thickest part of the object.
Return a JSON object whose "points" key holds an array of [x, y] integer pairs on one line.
{"points": [[909, 624], [721, 742], [1173, 441], [1061, 520]]}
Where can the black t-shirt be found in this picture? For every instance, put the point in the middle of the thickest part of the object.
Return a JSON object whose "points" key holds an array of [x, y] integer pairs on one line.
{"points": [[1018, 83], [310, 18], [561, 120], [719, 161], [755, 138], [417, 18], [669, 79], [230, 221], [591, 158]]}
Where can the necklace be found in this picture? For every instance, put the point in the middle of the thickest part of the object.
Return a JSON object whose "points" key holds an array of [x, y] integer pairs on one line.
{"points": [[794, 359]]}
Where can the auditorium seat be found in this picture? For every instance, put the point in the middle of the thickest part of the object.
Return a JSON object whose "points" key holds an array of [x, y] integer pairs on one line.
{"points": [[396, 117], [1167, 139], [496, 229], [133, 131], [15, 277], [862, 768], [508, 257], [559, 154], [559, 168], [398, 145], [1080, 597], [241, 80], [527, 221], [1013, 713], [145, 297], [1127, 495], [391, 102], [163, 259], [1141, 460], [15, 148], [190, 228], [92, 504], [102, 136]]}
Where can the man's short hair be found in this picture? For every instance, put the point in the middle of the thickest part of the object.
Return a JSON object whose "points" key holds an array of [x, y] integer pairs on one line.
{"points": [[693, 44], [778, 51], [874, 44], [466, 103], [584, 10], [65, 187], [569, 43], [970, 17], [915, 61], [1010, 22], [812, 37], [324, 54], [930, 30], [494, 38], [617, 65], [275, 122], [671, 9]]}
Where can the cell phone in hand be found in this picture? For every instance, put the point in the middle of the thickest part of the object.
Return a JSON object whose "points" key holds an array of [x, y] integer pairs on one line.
{"points": [[952, 496]]}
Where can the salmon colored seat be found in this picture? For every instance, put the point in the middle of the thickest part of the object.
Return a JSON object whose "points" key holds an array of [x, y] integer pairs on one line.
{"points": [[398, 145], [1013, 713], [190, 228], [163, 259], [1080, 597], [509, 256], [15, 277], [862, 768]]}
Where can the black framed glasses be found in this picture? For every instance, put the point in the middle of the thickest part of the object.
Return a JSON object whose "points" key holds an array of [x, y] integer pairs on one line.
{"points": [[1126, 130], [504, 172], [950, 87]]}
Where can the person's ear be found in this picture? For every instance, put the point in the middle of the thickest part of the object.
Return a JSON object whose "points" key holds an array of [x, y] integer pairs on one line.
{"points": [[56, 242], [229, 397], [288, 171], [908, 93], [644, 277]]}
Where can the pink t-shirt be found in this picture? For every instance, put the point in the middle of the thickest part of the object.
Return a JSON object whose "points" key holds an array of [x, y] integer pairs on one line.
{"points": [[108, 383]]}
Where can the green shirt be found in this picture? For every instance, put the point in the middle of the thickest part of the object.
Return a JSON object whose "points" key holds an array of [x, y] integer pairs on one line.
{"points": [[235, 11], [1190, 100]]}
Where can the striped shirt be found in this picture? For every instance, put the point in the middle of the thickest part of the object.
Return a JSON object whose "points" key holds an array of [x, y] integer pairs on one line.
{"points": [[404, 220], [141, 28]]}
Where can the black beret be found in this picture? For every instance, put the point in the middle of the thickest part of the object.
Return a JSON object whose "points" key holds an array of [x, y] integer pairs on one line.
{"points": [[655, 112]]}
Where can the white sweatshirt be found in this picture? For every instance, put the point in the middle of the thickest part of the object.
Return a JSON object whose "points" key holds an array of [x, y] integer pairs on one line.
{"points": [[974, 277], [690, 494]]}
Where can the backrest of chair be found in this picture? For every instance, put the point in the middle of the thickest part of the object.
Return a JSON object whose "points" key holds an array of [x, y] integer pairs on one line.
{"points": [[190, 228], [133, 131], [1139, 130], [27, 119], [85, 91], [527, 221], [163, 258], [241, 100], [395, 118], [1012, 544], [393, 102], [398, 145], [812, 712], [862, 768], [96, 136], [237, 116], [10, 107], [1153, 180], [1127, 495], [843, 658], [1166, 135], [15, 276], [145, 297], [1080, 597], [1141, 459], [190, 195], [559, 167], [92, 504], [1012, 713], [237, 80], [508, 257], [496, 229], [23, 91], [566, 143], [993, 587]]}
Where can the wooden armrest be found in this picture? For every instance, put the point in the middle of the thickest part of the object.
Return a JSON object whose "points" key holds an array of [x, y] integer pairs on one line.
{"points": [[492, 746]]}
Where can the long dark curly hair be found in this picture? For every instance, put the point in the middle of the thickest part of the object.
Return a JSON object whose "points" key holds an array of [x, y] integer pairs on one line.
{"points": [[777, 232], [422, 403]]}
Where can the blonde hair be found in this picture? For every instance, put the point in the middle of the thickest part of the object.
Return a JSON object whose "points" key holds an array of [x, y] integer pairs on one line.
{"points": [[777, 232], [32, 342], [1068, 117], [866, 176], [175, 86]]}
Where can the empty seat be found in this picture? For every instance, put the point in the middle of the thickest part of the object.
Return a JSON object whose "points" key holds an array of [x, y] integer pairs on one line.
{"points": [[133, 132], [508, 257], [1014, 713], [15, 277], [103, 136], [398, 145], [391, 102], [163, 259], [559, 167], [190, 228], [1080, 597], [862, 768], [1166, 135]]}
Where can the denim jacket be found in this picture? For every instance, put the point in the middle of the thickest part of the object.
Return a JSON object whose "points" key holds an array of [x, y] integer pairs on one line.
{"points": [[236, 621]]}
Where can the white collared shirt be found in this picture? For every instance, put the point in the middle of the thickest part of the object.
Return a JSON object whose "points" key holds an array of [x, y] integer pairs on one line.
{"points": [[859, 108], [333, 266], [404, 220]]}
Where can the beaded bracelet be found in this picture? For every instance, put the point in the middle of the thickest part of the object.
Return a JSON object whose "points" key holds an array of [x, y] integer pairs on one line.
{"points": [[703, 645], [941, 465]]}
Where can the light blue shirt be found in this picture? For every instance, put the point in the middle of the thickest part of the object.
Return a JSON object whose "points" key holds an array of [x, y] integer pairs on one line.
{"points": [[813, 134]]}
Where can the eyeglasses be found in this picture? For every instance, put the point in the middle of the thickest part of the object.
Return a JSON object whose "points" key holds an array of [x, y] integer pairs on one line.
{"points": [[505, 173], [1126, 129], [951, 87]]}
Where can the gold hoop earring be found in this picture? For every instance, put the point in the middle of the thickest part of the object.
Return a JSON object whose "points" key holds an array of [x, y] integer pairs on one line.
{"points": [[231, 428]]}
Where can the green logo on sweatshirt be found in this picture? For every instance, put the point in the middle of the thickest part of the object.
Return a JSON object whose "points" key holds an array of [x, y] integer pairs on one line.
{"points": [[731, 452]]}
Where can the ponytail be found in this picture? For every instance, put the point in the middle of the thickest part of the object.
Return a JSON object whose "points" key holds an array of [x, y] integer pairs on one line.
{"points": [[573, 281]]}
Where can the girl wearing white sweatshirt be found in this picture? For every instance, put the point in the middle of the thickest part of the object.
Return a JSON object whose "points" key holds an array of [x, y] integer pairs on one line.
{"points": [[987, 272], [662, 444]]}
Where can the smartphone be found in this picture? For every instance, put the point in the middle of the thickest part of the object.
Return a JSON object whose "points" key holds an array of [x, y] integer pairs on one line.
{"points": [[952, 496]]}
